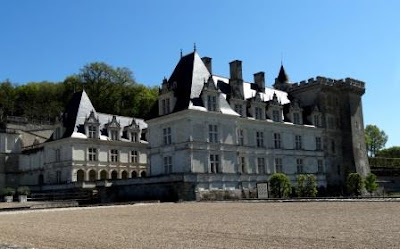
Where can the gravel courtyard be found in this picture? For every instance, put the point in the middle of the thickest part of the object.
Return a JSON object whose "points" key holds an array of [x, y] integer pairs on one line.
{"points": [[208, 225]]}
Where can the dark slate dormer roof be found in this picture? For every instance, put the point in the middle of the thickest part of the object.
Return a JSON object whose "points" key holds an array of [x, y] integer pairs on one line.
{"points": [[188, 77], [80, 108], [282, 76]]}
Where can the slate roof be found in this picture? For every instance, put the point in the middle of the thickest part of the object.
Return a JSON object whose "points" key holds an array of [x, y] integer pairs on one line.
{"points": [[79, 108]]}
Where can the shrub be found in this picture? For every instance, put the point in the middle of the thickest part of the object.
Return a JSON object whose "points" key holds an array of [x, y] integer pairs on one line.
{"points": [[280, 185], [354, 184], [306, 186], [370, 183], [8, 191], [23, 190]]}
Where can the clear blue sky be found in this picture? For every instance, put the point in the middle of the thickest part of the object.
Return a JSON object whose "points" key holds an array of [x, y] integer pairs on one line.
{"points": [[48, 40]]}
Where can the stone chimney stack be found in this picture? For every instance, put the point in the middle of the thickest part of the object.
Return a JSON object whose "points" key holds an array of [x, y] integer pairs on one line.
{"points": [[236, 70], [208, 63], [259, 80], [236, 79]]}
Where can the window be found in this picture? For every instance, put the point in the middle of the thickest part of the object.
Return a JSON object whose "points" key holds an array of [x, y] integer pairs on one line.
{"points": [[114, 155], [214, 163], [316, 121], [92, 154], [243, 168], [333, 147], [114, 135], [258, 112], [92, 131], [134, 137], [278, 165], [134, 156], [277, 140], [212, 103], [275, 116], [213, 133], [300, 169], [58, 155], [167, 135], [240, 137], [168, 165], [318, 143], [261, 165], [239, 109], [260, 139], [296, 118], [165, 106], [299, 144], [58, 176], [331, 123], [320, 166]]}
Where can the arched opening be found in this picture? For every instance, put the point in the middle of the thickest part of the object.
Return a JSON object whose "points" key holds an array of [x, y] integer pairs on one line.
{"points": [[92, 175], [133, 174], [124, 175], [41, 179], [143, 174], [80, 176], [114, 175], [103, 175]]}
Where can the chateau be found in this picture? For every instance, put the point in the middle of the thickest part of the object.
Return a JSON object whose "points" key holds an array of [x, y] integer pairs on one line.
{"points": [[209, 132]]}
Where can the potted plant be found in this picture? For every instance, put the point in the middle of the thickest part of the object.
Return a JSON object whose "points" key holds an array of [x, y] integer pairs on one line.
{"points": [[23, 193], [8, 194]]}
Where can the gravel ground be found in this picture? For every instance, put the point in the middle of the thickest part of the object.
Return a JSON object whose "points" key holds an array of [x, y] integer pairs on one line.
{"points": [[208, 225]]}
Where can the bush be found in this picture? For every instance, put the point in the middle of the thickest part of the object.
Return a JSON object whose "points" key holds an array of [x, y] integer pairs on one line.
{"points": [[354, 184], [8, 191], [306, 186], [370, 183], [279, 185], [23, 190]]}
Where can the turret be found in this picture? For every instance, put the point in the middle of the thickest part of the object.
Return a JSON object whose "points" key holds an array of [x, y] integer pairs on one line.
{"points": [[282, 81]]}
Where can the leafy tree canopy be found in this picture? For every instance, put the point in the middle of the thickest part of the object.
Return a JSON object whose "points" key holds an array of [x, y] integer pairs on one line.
{"points": [[375, 139]]}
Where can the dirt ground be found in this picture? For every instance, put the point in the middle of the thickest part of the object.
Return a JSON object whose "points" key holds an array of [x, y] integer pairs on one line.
{"points": [[208, 225]]}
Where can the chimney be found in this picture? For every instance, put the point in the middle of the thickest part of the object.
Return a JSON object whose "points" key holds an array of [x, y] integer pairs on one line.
{"points": [[236, 70], [259, 80], [207, 63]]}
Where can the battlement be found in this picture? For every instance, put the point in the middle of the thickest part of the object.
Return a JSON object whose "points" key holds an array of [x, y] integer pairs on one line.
{"points": [[348, 83]]}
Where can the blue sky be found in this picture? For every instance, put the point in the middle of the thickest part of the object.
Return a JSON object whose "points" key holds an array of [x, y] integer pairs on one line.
{"points": [[48, 40]]}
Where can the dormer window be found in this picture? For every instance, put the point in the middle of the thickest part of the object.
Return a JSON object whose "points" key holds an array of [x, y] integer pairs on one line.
{"points": [[212, 103], [92, 125], [316, 120], [258, 112], [113, 129], [276, 116], [165, 106], [114, 134], [239, 109], [296, 118], [133, 131], [134, 137]]}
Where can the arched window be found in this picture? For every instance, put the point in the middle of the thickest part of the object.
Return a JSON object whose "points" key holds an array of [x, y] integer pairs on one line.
{"points": [[143, 174], [103, 175], [41, 179], [114, 175], [124, 175], [80, 176], [133, 174], [92, 175]]}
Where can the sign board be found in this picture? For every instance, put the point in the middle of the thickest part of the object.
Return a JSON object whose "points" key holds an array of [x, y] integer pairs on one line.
{"points": [[262, 190]]}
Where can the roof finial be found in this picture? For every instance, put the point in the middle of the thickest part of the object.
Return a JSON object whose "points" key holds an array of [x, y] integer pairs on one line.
{"points": [[281, 59], [194, 47], [181, 53]]}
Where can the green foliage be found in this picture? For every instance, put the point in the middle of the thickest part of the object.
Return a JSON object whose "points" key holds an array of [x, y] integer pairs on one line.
{"points": [[7, 191], [306, 186], [392, 152], [23, 190], [279, 185], [111, 90], [354, 184], [370, 183], [375, 139]]}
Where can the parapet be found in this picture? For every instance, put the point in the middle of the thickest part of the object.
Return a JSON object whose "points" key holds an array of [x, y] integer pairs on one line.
{"points": [[348, 83]]}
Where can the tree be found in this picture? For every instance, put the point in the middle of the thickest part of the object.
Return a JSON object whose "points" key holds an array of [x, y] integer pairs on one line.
{"points": [[392, 152], [370, 183], [280, 185], [354, 184], [375, 139], [306, 186]]}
